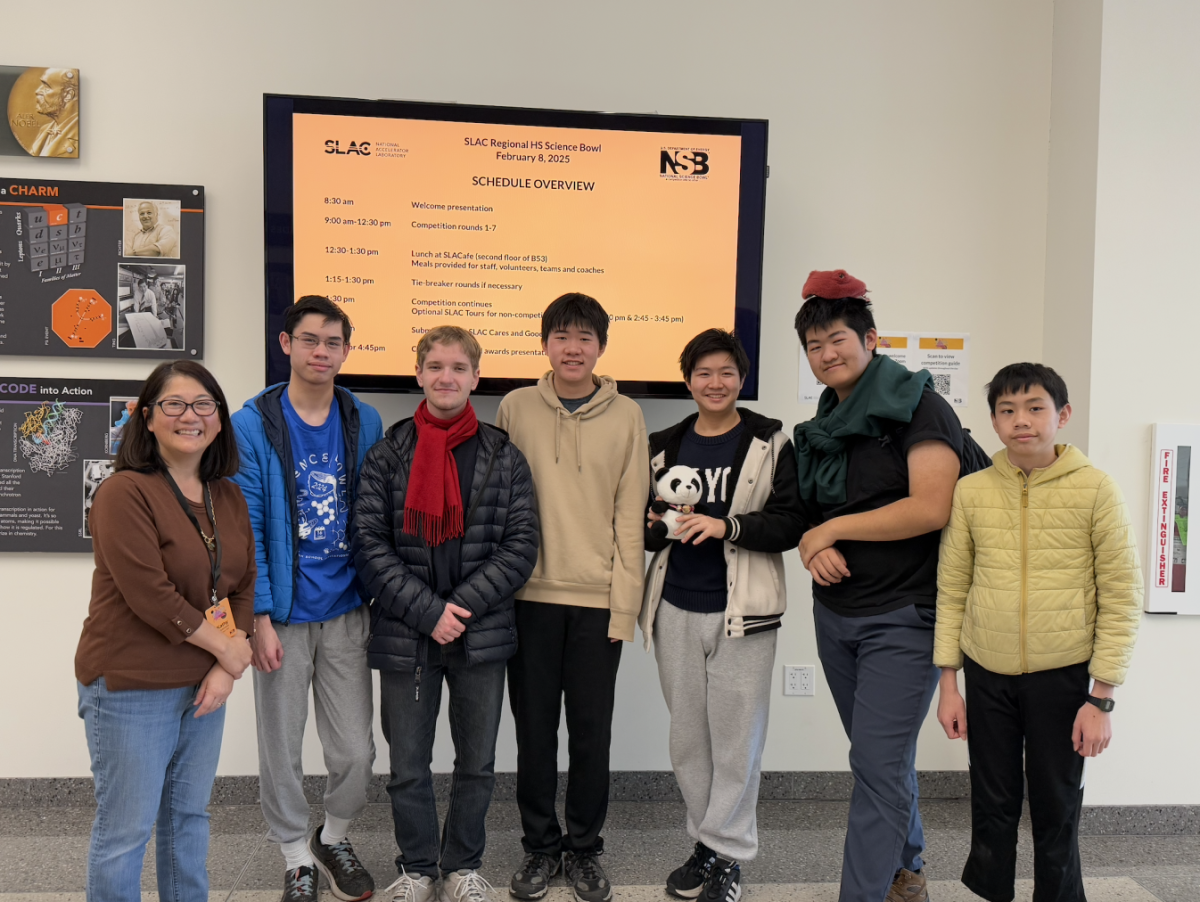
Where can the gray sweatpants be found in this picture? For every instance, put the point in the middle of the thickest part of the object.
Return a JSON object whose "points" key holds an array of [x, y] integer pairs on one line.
{"points": [[331, 657], [718, 690]]}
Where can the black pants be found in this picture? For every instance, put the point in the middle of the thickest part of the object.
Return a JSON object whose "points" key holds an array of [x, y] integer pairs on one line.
{"points": [[564, 651], [1028, 716]]}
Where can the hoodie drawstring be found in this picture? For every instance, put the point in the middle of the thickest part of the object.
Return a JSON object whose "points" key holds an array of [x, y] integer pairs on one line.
{"points": [[557, 432], [579, 443]]}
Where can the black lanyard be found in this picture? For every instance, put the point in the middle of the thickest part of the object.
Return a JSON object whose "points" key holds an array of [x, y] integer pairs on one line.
{"points": [[214, 552]]}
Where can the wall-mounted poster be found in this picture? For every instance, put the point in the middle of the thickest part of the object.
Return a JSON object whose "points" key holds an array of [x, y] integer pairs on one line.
{"points": [[61, 436], [1170, 587], [947, 356], [93, 269], [42, 107]]}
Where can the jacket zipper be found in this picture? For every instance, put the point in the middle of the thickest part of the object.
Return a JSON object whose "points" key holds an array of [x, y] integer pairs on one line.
{"points": [[1024, 565]]}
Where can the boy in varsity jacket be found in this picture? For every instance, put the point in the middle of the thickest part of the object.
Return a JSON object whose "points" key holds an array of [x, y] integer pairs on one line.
{"points": [[714, 597]]}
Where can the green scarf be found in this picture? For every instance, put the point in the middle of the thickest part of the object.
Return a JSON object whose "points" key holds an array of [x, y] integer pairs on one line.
{"points": [[885, 394]]}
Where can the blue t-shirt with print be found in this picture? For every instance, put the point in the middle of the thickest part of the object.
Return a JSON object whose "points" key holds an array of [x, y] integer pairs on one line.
{"points": [[325, 586]]}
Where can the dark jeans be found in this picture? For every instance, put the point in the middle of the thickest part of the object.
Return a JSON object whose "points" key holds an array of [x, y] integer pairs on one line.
{"points": [[881, 675], [1025, 718], [564, 651], [476, 700]]}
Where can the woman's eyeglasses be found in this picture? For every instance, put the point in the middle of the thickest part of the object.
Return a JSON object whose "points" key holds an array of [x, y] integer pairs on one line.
{"points": [[204, 407]]}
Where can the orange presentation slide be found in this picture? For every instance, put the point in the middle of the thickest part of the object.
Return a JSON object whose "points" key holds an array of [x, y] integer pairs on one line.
{"points": [[410, 224]]}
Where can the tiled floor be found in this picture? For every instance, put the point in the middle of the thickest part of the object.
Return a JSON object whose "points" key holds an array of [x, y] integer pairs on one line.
{"points": [[43, 854]]}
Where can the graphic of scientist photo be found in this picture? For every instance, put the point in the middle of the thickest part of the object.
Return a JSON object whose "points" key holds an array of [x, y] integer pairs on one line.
{"points": [[151, 228], [43, 110]]}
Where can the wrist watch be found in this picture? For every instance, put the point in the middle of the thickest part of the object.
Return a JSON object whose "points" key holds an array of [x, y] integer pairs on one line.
{"points": [[1104, 704]]}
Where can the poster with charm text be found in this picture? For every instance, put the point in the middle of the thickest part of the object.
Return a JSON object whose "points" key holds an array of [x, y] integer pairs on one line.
{"points": [[98, 269]]}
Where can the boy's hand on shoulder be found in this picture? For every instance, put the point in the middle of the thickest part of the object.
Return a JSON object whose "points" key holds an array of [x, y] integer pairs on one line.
{"points": [[1092, 731], [827, 567]]}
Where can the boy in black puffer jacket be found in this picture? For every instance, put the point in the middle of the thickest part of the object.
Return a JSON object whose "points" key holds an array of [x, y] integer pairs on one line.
{"points": [[445, 532]]}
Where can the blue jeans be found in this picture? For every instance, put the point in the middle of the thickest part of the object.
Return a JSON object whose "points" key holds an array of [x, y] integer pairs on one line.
{"points": [[153, 764], [476, 698], [881, 676]]}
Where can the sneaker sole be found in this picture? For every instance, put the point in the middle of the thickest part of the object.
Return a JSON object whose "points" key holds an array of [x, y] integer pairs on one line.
{"points": [[579, 898], [685, 893], [334, 888]]}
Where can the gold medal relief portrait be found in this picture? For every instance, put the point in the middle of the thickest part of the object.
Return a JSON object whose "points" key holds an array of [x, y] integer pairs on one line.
{"points": [[43, 110]]}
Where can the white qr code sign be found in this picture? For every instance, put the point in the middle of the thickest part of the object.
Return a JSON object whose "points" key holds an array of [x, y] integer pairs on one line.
{"points": [[946, 355]]}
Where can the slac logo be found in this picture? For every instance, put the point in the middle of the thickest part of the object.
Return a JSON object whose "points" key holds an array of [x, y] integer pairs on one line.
{"points": [[359, 148], [683, 163]]}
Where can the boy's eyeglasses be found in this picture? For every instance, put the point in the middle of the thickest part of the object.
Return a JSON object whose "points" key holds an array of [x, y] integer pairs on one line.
{"points": [[205, 407], [311, 342]]}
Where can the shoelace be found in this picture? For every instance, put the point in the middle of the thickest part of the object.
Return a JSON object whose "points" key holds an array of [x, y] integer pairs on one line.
{"points": [[403, 888], [587, 866], [540, 861], [473, 888], [343, 853], [702, 860], [730, 893], [302, 882]]}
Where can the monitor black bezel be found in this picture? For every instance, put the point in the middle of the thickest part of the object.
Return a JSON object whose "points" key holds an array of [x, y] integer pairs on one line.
{"points": [[278, 110]]}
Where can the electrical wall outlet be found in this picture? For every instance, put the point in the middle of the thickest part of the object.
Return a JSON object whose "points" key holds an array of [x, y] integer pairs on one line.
{"points": [[799, 679]]}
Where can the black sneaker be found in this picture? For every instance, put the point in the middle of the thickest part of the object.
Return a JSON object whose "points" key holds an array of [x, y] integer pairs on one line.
{"points": [[687, 881], [724, 883], [300, 885], [348, 879], [586, 878], [533, 880]]}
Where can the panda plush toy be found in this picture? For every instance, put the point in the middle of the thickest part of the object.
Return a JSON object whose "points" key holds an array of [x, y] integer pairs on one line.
{"points": [[680, 489]]}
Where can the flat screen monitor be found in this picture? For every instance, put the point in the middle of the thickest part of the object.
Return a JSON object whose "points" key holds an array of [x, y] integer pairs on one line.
{"points": [[414, 215]]}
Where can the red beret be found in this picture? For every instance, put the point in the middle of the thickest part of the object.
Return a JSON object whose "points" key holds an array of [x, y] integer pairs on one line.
{"points": [[833, 284]]}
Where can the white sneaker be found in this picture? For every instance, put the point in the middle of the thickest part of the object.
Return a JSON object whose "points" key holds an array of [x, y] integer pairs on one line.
{"points": [[466, 886], [411, 888]]}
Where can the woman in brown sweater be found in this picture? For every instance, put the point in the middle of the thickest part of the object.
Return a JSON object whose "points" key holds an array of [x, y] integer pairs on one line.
{"points": [[172, 537]]}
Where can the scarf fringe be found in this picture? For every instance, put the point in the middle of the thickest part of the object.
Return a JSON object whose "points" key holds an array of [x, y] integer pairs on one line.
{"points": [[434, 528]]}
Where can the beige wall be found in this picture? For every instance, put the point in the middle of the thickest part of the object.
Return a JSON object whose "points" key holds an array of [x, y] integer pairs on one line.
{"points": [[909, 144], [1145, 318]]}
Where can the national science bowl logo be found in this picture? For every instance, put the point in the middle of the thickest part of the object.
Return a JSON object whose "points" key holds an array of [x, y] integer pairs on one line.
{"points": [[681, 164]]}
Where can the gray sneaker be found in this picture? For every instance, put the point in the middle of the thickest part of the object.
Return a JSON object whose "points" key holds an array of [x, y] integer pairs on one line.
{"points": [[466, 886], [533, 879], [300, 885], [348, 879], [586, 878]]}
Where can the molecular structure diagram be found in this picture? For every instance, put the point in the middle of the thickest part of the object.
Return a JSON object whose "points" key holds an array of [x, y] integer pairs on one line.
{"points": [[48, 435], [326, 509]]}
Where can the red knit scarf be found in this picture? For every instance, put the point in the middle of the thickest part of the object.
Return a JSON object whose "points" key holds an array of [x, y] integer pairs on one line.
{"points": [[433, 507]]}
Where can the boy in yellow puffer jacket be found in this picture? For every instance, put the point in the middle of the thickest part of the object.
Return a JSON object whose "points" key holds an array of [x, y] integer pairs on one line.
{"points": [[1039, 591]]}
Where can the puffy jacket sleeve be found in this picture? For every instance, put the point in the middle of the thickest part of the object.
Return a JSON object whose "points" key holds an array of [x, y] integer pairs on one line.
{"points": [[251, 478], [386, 578], [510, 564], [1118, 585], [956, 570], [779, 526]]}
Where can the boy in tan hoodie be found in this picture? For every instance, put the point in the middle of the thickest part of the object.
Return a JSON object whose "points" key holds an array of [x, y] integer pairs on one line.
{"points": [[588, 451], [1039, 600]]}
